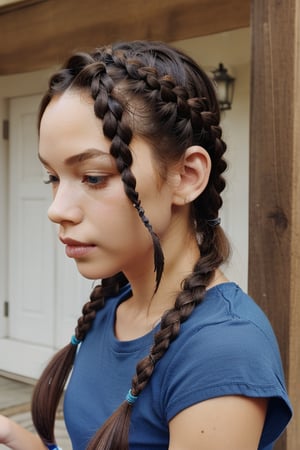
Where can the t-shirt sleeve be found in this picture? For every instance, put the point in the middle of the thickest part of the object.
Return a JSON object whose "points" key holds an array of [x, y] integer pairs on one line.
{"points": [[234, 357]]}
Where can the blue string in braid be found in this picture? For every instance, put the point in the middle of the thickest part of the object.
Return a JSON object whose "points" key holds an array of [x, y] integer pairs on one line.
{"points": [[130, 398], [74, 340]]}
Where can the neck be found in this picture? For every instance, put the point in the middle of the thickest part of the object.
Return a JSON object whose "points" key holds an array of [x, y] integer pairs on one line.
{"points": [[144, 309], [180, 258]]}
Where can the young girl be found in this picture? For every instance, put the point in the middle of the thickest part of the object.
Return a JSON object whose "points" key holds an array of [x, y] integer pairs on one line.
{"points": [[168, 353]]}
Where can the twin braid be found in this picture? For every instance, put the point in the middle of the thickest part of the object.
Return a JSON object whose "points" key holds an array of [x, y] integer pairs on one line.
{"points": [[192, 123], [174, 115]]}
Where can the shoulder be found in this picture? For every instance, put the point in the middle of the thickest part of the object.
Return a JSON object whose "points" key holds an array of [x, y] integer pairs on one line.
{"points": [[227, 348], [220, 350], [221, 339], [228, 319], [228, 312]]}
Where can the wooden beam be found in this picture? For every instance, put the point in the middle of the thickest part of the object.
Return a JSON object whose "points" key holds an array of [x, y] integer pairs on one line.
{"points": [[43, 33], [10, 5], [274, 247]]}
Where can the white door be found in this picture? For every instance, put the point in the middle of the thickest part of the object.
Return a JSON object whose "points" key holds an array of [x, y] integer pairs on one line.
{"points": [[45, 291], [31, 249]]}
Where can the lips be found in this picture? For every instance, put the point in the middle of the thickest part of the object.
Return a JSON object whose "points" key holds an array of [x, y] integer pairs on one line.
{"points": [[76, 249], [72, 242]]}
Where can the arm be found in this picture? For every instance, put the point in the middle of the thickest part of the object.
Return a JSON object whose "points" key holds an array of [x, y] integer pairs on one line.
{"points": [[17, 438], [231, 422]]}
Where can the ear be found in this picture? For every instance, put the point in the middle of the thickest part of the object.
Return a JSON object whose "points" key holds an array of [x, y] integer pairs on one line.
{"points": [[192, 175]]}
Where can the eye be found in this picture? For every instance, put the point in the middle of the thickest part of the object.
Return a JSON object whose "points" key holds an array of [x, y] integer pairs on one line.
{"points": [[51, 179], [94, 181]]}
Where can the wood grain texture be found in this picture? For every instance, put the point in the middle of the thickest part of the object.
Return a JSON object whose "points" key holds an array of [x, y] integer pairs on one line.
{"points": [[43, 33], [274, 246]]}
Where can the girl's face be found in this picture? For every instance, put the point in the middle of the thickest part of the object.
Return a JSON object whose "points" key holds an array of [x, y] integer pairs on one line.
{"points": [[97, 222]]}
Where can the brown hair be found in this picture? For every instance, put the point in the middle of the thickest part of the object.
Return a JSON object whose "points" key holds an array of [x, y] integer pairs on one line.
{"points": [[154, 91]]}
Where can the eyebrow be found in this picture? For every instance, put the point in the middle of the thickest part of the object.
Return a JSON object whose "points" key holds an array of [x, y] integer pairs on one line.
{"points": [[80, 157]]}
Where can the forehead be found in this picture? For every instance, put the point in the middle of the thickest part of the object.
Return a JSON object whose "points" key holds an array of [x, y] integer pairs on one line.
{"points": [[68, 108], [69, 127], [69, 121]]}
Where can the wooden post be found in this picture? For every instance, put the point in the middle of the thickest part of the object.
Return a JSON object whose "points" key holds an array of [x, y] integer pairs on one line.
{"points": [[274, 246]]}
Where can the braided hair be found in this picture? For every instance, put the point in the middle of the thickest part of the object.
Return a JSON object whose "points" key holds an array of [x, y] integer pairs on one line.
{"points": [[154, 91]]}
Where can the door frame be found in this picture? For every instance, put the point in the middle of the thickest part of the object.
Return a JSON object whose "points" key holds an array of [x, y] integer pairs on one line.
{"points": [[16, 352], [13, 86]]}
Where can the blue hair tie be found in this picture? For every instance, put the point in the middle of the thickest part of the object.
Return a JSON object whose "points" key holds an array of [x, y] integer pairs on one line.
{"points": [[130, 398], [74, 341]]}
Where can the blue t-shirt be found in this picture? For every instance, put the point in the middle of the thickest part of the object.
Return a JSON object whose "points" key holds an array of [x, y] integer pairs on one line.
{"points": [[226, 347]]}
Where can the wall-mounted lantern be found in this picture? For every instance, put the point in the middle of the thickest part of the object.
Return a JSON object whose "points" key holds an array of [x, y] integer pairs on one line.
{"points": [[225, 86]]}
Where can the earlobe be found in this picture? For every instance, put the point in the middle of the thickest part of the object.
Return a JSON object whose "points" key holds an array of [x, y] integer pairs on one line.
{"points": [[193, 175]]}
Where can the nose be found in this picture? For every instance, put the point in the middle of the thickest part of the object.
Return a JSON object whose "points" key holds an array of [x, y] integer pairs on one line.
{"points": [[65, 206]]}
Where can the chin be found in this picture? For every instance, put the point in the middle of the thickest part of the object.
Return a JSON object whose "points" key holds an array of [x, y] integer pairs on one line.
{"points": [[92, 273]]}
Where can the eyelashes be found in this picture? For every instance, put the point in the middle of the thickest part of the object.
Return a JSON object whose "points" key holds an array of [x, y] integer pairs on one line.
{"points": [[51, 179], [92, 181], [95, 181]]}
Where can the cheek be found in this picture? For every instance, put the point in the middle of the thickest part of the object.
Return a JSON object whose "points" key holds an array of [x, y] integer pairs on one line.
{"points": [[156, 199], [117, 220], [158, 209]]}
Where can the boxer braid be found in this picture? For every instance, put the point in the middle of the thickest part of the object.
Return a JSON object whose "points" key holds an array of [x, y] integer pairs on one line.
{"points": [[187, 119]]}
